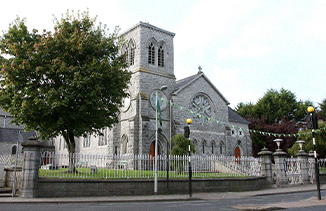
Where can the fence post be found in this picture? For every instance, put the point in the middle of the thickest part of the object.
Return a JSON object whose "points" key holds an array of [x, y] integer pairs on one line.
{"points": [[312, 170], [279, 158], [303, 160], [266, 165], [31, 164]]}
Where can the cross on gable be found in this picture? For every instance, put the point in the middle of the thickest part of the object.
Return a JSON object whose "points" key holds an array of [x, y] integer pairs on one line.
{"points": [[199, 69]]}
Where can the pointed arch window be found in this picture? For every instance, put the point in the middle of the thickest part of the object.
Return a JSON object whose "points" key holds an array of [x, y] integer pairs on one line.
{"points": [[203, 146], [14, 150], [160, 54], [213, 144], [102, 139], [151, 54], [132, 56], [221, 147], [131, 50]]}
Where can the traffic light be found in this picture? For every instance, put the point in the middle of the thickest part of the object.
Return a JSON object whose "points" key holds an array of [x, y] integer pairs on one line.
{"points": [[309, 122], [312, 121], [186, 131]]}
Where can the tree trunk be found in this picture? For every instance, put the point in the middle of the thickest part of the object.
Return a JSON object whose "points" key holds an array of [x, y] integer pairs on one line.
{"points": [[70, 140]]}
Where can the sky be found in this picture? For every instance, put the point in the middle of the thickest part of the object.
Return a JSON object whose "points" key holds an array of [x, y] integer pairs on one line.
{"points": [[244, 47]]}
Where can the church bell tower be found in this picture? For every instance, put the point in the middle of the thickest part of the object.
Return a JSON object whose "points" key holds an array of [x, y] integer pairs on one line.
{"points": [[150, 56]]}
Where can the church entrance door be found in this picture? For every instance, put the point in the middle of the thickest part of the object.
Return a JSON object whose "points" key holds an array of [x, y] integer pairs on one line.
{"points": [[152, 151], [237, 154]]}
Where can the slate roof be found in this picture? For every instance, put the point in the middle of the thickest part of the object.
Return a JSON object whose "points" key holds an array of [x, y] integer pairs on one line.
{"points": [[183, 83], [11, 135], [235, 117]]}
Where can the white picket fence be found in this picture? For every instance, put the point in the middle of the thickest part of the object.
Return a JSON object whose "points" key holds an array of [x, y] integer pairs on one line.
{"points": [[142, 166]]}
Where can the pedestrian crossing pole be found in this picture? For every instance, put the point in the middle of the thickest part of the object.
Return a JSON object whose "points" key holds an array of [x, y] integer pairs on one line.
{"points": [[313, 124], [187, 135]]}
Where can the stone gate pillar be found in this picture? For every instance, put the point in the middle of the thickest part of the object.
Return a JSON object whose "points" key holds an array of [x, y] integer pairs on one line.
{"points": [[279, 157], [31, 164], [266, 165], [311, 165], [303, 159]]}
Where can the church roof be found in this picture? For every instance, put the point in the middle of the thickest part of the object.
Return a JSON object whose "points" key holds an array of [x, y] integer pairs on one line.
{"points": [[184, 83], [10, 135], [235, 117]]}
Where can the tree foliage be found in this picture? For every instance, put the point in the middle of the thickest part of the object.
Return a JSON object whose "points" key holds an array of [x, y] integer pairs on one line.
{"points": [[260, 141], [181, 145], [320, 137], [276, 112], [322, 112], [244, 109], [69, 81], [274, 106]]}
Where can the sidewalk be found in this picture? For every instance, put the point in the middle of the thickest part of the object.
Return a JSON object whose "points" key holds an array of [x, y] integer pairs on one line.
{"points": [[313, 201], [196, 196]]}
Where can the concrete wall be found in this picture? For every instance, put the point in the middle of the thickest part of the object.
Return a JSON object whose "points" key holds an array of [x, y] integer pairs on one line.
{"points": [[76, 188]]}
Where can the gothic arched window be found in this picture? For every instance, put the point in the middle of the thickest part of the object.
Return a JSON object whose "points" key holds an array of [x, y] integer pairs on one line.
{"points": [[213, 146], [203, 146], [131, 49], [102, 139], [160, 56], [221, 147], [151, 54], [132, 56], [14, 150]]}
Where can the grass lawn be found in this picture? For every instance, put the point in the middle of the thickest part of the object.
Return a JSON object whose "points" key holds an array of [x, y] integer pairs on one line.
{"points": [[86, 173]]}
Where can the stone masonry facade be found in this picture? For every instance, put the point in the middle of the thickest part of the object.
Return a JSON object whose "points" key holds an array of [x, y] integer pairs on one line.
{"points": [[10, 133], [150, 55]]}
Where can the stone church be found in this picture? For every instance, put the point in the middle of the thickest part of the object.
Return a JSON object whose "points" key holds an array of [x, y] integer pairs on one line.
{"points": [[216, 129]]}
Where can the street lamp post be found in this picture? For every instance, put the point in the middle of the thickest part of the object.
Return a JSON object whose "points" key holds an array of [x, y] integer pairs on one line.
{"points": [[156, 140], [311, 110]]}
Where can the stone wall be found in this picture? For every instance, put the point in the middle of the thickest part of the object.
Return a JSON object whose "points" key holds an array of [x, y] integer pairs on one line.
{"points": [[78, 188], [322, 178], [8, 177]]}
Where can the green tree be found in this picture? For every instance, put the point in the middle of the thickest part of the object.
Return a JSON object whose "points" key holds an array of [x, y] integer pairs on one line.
{"points": [[320, 137], [69, 82], [276, 105], [181, 145], [276, 112], [322, 112], [244, 109]]}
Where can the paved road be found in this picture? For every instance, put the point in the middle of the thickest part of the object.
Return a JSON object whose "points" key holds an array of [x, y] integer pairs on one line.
{"points": [[225, 204]]}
